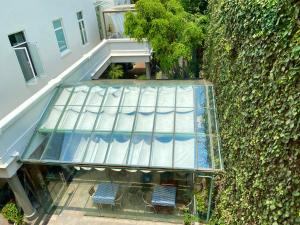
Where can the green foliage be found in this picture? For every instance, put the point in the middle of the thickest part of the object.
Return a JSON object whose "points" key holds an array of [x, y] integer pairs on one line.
{"points": [[115, 71], [253, 57], [188, 218], [201, 198], [193, 6], [142, 77], [12, 213], [172, 32]]}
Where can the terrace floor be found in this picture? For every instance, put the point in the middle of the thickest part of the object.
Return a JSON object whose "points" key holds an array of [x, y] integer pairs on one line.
{"points": [[75, 206]]}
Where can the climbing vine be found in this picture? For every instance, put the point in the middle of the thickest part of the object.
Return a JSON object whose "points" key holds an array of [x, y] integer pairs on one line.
{"points": [[253, 57]]}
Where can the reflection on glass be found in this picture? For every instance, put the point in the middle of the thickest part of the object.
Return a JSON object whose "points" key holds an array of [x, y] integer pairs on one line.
{"points": [[184, 152], [166, 96], [97, 149], [145, 119], [184, 120], [96, 96], [185, 97], [37, 145], [106, 119], [139, 153], [203, 155], [79, 95], [162, 151], [202, 126], [75, 150], [69, 118], [125, 119], [118, 149], [113, 96], [200, 96], [130, 96], [148, 96], [52, 118], [87, 118], [63, 96], [57, 143], [164, 120]]}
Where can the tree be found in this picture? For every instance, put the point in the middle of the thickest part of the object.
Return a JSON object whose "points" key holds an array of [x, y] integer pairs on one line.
{"points": [[172, 32], [115, 71]]}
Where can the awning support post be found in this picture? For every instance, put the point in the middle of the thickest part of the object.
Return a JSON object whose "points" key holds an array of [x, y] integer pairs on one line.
{"points": [[22, 199]]}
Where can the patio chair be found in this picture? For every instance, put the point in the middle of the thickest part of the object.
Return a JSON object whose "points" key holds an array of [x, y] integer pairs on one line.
{"points": [[92, 191], [119, 200], [147, 204]]}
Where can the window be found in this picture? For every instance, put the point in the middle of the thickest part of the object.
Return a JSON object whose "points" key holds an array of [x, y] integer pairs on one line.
{"points": [[82, 28], [19, 44], [60, 36]]}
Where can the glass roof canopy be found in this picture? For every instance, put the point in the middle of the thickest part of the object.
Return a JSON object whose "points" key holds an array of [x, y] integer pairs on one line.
{"points": [[134, 124]]}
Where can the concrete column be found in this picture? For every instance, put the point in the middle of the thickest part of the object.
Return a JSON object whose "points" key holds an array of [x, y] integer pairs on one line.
{"points": [[148, 70], [21, 197]]}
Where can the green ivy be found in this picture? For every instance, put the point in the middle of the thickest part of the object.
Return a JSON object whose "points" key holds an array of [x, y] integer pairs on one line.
{"points": [[253, 57]]}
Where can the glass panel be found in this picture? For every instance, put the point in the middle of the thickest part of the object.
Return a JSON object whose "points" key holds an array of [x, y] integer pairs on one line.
{"points": [[75, 150], [61, 41], [37, 145], [113, 96], [64, 96], [200, 95], [162, 151], [125, 119], [87, 118], [203, 152], [58, 142], [217, 152], [79, 15], [56, 24], [184, 120], [202, 120], [69, 118], [164, 121], [210, 96], [106, 119], [79, 95], [24, 62], [185, 97], [130, 96], [16, 38], [118, 149], [145, 119], [148, 96], [97, 149], [184, 152], [96, 96], [52, 118], [139, 154], [166, 96]]}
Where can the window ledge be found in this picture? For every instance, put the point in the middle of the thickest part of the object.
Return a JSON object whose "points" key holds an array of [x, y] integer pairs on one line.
{"points": [[32, 81], [65, 53]]}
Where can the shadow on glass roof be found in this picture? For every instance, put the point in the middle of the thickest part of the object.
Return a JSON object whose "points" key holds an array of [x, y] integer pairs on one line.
{"points": [[167, 125]]}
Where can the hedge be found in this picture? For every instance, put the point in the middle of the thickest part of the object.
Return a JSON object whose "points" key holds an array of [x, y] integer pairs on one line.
{"points": [[253, 57]]}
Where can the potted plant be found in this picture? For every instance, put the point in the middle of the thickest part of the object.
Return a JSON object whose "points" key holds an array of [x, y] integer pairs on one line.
{"points": [[11, 212]]}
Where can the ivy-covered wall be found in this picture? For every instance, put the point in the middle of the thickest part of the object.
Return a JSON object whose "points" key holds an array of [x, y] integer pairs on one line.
{"points": [[253, 58]]}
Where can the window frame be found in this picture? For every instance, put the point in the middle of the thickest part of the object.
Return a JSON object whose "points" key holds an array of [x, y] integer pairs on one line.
{"points": [[66, 50], [24, 46], [82, 28]]}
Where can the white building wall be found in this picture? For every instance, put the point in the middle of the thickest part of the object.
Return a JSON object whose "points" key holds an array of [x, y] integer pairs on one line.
{"points": [[35, 17]]}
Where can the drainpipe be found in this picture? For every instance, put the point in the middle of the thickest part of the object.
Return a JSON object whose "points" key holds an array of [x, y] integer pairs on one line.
{"points": [[21, 197]]}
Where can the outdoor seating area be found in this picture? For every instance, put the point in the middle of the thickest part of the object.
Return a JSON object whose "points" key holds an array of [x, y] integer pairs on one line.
{"points": [[140, 150]]}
